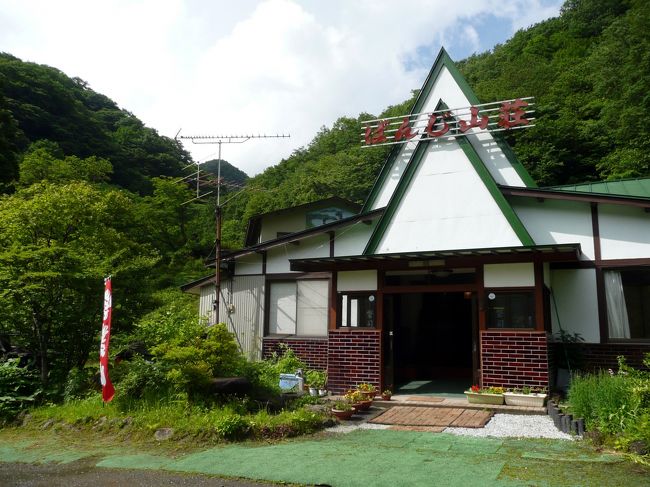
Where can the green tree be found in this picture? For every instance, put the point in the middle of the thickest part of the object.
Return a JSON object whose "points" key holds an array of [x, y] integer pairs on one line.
{"points": [[57, 242]]}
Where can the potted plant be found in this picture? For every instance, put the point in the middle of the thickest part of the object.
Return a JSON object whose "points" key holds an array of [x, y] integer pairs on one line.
{"points": [[342, 409], [485, 395], [386, 395], [358, 400], [321, 383], [317, 380], [526, 396], [367, 390]]}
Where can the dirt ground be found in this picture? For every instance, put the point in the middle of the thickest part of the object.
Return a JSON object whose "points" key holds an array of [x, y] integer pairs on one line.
{"points": [[83, 473]]}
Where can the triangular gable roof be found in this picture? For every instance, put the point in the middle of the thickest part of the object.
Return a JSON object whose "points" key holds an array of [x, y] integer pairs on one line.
{"points": [[470, 152], [444, 61]]}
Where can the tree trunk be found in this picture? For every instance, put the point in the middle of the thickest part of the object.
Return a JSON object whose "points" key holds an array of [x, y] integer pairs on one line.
{"points": [[42, 348]]}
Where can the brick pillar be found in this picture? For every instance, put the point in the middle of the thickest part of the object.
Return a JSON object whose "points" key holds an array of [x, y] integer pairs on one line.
{"points": [[354, 356], [514, 358]]}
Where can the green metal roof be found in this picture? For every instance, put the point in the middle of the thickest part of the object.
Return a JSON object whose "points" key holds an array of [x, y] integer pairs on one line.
{"points": [[637, 188]]}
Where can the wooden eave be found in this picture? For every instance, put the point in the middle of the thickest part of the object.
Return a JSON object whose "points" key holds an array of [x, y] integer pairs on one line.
{"points": [[441, 258]]}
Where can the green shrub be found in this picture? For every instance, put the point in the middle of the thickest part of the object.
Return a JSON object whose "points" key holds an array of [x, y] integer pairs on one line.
{"points": [[287, 362], [317, 379], [19, 388], [192, 363], [636, 437], [263, 376], [176, 319], [286, 424], [139, 378], [80, 383], [603, 400], [616, 407], [232, 426]]}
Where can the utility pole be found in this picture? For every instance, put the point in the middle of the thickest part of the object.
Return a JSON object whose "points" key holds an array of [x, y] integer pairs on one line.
{"points": [[219, 140]]}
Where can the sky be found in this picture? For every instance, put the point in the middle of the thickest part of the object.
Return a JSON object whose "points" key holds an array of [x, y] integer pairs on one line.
{"points": [[243, 67]]}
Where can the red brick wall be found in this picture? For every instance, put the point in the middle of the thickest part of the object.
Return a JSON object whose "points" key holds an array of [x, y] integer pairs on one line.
{"points": [[312, 351], [514, 358], [594, 356], [354, 356]]}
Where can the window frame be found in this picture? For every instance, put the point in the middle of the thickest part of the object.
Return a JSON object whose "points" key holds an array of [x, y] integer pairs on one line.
{"points": [[620, 269], [530, 290], [295, 281], [339, 310]]}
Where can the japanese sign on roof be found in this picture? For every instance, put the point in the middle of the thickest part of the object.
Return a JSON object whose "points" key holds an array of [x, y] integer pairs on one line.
{"points": [[493, 117]]}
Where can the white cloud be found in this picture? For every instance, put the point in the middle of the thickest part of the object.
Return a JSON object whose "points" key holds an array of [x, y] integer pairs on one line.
{"points": [[272, 66]]}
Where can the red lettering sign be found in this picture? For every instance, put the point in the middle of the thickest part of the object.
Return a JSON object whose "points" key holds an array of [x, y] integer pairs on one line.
{"points": [[432, 122], [377, 136], [474, 121], [512, 114], [404, 131]]}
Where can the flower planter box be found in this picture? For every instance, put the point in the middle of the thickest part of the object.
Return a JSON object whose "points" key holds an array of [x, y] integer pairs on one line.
{"points": [[528, 400], [479, 398]]}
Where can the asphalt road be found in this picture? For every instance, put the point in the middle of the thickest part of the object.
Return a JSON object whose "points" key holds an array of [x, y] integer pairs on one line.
{"points": [[83, 473]]}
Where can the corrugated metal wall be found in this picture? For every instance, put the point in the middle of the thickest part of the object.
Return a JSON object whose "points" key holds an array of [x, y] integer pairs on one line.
{"points": [[242, 309]]}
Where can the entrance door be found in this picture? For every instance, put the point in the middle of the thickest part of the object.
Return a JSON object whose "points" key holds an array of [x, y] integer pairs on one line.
{"points": [[430, 340]]}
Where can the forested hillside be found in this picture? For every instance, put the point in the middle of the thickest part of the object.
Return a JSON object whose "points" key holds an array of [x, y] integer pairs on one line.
{"points": [[89, 190], [39, 102]]}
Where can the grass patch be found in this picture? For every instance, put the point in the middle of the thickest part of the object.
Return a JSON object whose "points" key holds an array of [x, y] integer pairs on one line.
{"points": [[201, 425]]}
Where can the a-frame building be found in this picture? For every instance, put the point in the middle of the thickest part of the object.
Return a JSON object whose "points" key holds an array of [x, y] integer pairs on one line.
{"points": [[457, 269]]}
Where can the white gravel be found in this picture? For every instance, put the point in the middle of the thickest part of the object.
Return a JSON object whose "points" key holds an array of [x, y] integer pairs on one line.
{"points": [[500, 426], [515, 426]]}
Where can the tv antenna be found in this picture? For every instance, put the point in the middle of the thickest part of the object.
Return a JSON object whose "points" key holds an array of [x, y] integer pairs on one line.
{"points": [[219, 140]]}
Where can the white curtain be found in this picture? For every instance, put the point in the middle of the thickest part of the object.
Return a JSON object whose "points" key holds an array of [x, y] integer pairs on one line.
{"points": [[312, 307], [619, 325]]}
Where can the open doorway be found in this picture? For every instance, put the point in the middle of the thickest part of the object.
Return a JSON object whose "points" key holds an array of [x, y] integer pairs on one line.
{"points": [[430, 342]]}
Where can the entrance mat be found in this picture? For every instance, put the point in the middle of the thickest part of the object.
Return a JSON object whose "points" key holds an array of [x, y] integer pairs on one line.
{"points": [[433, 416], [425, 399]]}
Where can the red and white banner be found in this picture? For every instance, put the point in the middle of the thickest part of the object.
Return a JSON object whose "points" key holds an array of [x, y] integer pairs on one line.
{"points": [[108, 391]]}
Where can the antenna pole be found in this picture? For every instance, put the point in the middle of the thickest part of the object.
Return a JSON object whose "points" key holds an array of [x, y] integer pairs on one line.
{"points": [[220, 139]]}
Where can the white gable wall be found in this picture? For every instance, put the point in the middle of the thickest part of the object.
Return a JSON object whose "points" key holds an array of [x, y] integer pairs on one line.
{"points": [[397, 169], [447, 206], [352, 240], [446, 89], [285, 222], [624, 232], [557, 222], [277, 258], [248, 264]]}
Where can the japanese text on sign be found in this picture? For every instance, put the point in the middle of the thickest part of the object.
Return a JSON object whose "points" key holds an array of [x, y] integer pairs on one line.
{"points": [[493, 117]]}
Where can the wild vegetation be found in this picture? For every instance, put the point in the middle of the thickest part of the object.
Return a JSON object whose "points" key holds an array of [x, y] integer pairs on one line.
{"points": [[615, 407], [87, 190]]}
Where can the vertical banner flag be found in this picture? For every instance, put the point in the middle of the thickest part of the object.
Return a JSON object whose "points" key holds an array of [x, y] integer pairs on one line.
{"points": [[108, 391]]}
